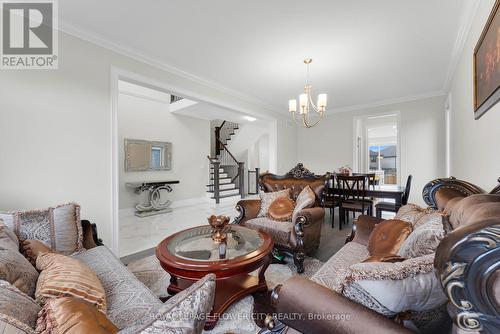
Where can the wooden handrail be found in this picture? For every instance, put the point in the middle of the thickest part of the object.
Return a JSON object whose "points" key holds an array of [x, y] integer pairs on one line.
{"points": [[225, 148]]}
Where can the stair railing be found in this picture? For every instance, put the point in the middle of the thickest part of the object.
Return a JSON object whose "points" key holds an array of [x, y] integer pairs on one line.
{"points": [[225, 159]]}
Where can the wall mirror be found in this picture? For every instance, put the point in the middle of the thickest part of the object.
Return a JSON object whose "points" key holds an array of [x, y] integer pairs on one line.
{"points": [[143, 155]]}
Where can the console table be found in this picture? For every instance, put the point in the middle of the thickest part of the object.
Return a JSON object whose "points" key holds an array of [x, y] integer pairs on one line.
{"points": [[155, 205]]}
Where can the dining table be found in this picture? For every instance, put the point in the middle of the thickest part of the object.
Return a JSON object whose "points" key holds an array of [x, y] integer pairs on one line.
{"points": [[394, 192]]}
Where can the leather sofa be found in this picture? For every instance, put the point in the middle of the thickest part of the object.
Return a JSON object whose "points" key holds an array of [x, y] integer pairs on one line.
{"points": [[298, 237], [465, 263]]}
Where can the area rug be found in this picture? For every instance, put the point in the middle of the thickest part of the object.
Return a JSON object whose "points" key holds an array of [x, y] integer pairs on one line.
{"points": [[239, 317]]}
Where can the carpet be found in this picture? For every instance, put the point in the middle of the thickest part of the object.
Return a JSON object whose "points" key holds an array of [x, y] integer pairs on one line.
{"points": [[239, 317]]}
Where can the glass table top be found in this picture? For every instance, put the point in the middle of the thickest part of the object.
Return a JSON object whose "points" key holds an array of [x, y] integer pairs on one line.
{"points": [[197, 244]]}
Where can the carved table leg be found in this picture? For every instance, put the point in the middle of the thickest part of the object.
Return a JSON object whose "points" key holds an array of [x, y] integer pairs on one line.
{"points": [[262, 271]]}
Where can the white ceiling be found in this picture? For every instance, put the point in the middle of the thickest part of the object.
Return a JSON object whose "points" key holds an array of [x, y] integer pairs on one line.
{"points": [[363, 51]]}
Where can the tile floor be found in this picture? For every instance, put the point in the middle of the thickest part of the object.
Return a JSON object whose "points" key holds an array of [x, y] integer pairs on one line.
{"points": [[142, 234]]}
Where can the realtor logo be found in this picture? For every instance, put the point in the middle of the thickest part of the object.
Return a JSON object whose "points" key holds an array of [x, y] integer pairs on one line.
{"points": [[29, 34]]}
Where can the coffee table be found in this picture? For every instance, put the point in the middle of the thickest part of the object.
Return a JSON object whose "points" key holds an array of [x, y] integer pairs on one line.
{"points": [[191, 254]]}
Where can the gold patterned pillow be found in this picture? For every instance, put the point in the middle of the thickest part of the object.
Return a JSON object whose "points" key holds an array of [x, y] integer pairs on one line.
{"points": [[266, 199], [63, 276], [410, 213], [58, 227]]}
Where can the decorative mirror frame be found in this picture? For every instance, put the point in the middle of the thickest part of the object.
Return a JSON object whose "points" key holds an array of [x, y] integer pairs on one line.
{"points": [[167, 156]]}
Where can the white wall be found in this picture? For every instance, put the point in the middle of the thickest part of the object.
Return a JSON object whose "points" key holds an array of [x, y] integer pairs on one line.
{"points": [[475, 152], [330, 144], [55, 129], [140, 118]]}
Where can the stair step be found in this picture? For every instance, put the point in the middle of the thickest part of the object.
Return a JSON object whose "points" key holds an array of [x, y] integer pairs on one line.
{"points": [[221, 170], [221, 175], [231, 190], [227, 185], [226, 196]]}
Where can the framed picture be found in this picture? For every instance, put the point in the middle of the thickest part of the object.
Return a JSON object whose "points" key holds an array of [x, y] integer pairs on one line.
{"points": [[487, 65]]}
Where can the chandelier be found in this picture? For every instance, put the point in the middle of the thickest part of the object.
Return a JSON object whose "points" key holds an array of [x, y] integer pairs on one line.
{"points": [[306, 104]]}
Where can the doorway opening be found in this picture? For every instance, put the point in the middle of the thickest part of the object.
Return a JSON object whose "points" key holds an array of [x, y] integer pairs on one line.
{"points": [[176, 124], [377, 147]]}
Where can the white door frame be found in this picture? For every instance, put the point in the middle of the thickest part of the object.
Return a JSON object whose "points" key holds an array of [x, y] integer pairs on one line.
{"points": [[363, 145], [117, 74]]}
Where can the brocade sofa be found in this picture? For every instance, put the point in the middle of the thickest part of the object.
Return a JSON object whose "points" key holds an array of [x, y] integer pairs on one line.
{"points": [[461, 277], [131, 306]]}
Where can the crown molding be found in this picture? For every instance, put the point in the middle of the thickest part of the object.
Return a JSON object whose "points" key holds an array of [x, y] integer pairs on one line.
{"points": [[387, 102], [154, 62], [468, 14]]}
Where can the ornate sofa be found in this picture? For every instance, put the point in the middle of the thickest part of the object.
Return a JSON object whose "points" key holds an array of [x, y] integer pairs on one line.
{"points": [[297, 237], [465, 266]]}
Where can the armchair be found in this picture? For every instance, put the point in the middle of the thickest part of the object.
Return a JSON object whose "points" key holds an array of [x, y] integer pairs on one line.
{"points": [[298, 237], [465, 266]]}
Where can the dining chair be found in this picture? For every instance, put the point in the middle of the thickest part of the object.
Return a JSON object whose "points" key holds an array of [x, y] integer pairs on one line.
{"points": [[352, 196], [330, 199], [372, 178], [391, 207]]}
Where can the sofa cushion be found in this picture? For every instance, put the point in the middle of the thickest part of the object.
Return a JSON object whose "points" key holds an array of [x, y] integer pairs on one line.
{"points": [[463, 208], [331, 273], [281, 209], [184, 313], [305, 200], [62, 275], [58, 227], [266, 199], [410, 213], [279, 231], [425, 238], [18, 311], [70, 315], [388, 236], [128, 300]]}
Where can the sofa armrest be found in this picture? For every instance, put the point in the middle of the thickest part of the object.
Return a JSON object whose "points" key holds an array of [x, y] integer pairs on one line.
{"points": [[362, 228], [248, 209], [310, 216], [312, 308]]}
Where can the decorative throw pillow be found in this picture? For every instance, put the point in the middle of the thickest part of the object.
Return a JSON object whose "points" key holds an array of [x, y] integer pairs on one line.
{"points": [[14, 268], [63, 276], [58, 227], [384, 258], [306, 199], [388, 236], [17, 310], [68, 315], [410, 213], [402, 286], [424, 239], [184, 313], [8, 239], [266, 199], [31, 248], [281, 209]]}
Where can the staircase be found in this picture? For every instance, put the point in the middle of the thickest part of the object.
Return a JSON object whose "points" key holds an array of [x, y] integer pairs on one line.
{"points": [[226, 173]]}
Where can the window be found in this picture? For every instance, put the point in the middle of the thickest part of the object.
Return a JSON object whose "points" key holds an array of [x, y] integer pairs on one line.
{"points": [[156, 157]]}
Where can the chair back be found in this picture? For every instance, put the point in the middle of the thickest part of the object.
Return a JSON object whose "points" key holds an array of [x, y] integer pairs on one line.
{"points": [[406, 194], [296, 179], [351, 188], [370, 176]]}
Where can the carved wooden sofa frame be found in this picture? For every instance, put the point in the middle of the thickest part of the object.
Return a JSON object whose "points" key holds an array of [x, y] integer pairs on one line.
{"points": [[307, 220]]}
